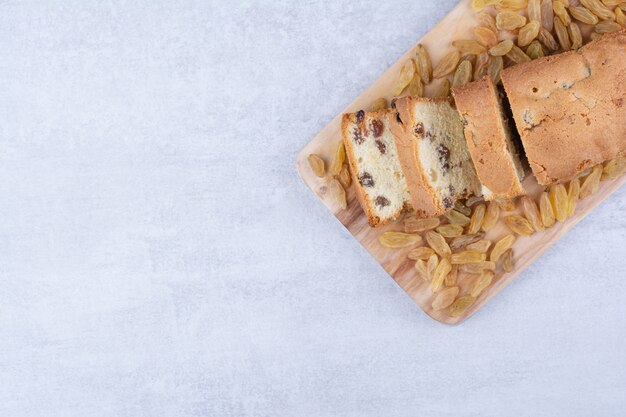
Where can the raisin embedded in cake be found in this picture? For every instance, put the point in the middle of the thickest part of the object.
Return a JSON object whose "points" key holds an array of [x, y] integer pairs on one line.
{"points": [[371, 150], [569, 108], [433, 154], [489, 139]]}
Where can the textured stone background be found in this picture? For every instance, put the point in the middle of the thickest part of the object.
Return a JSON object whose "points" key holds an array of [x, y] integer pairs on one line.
{"points": [[160, 257]]}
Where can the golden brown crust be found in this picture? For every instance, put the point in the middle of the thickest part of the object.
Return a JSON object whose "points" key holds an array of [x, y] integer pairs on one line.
{"points": [[423, 198], [570, 109], [485, 133]]}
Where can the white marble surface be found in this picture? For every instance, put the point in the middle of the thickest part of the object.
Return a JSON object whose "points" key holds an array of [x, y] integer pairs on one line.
{"points": [[160, 257]]}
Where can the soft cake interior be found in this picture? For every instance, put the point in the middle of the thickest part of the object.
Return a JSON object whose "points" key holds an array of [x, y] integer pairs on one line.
{"points": [[378, 169], [443, 153]]}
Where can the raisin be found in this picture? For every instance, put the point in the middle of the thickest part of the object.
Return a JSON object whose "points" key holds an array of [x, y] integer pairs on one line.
{"points": [[393, 103], [419, 130], [398, 119], [378, 128], [366, 180], [444, 156], [382, 201], [381, 146], [357, 136], [447, 202], [359, 116]]}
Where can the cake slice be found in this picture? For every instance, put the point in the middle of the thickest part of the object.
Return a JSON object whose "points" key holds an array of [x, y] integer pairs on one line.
{"points": [[433, 154], [570, 109], [489, 139], [380, 184]]}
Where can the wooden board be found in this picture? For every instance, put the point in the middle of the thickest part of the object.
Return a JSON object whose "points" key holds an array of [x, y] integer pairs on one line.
{"points": [[456, 25]]}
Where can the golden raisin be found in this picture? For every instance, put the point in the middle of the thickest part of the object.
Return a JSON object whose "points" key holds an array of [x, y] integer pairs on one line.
{"points": [[438, 243], [447, 64], [501, 48], [531, 211], [431, 266], [339, 157], [528, 33], [468, 257], [407, 72], [476, 221], [422, 270], [414, 225], [584, 15], [344, 176], [480, 4], [464, 240], [561, 12], [613, 168], [480, 246], [491, 216], [445, 298], [501, 246], [478, 268], [424, 66], [486, 36], [545, 208], [547, 15], [534, 10], [317, 165], [456, 217], [338, 193], [509, 21], [463, 74], [575, 35], [519, 225], [451, 277], [517, 55], [450, 230], [508, 262], [573, 192], [558, 199], [461, 304], [561, 34], [421, 253], [535, 50], [598, 9], [398, 239], [482, 282], [440, 274], [591, 183]]}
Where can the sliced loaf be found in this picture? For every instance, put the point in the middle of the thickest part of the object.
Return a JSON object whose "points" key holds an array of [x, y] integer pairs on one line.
{"points": [[570, 109], [380, 184], [489, 139], [433, 154]]}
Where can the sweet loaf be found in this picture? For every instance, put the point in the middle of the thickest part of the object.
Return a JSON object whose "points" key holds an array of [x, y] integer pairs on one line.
{"points": [[489, 139], [433, 154], [570, 109], [380, 184]]}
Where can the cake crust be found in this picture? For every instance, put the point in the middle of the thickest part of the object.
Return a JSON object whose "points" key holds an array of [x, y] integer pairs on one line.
{"points": [[433, 154], [570, 109], [423, 197], [486, 134]]}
